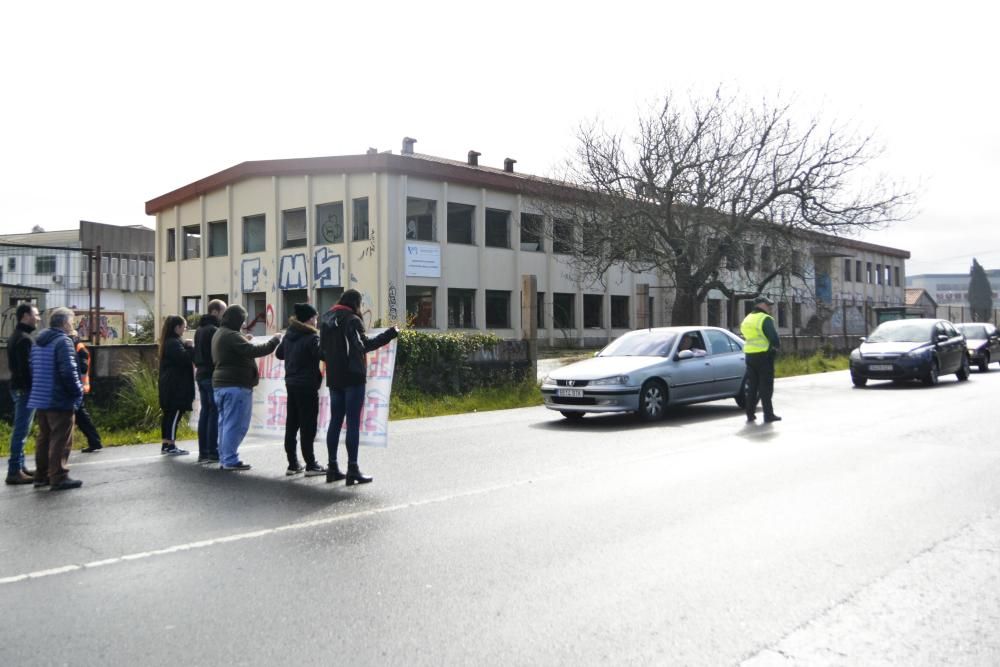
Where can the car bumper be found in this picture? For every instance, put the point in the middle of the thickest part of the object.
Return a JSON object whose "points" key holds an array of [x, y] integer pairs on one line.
{"points": [[896, 369], [603, 399]]}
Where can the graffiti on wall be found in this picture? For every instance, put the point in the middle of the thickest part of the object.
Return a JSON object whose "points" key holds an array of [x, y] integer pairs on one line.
{"points": [[111, 325], [293, 272], [326, 269], [393, 312], [250, 274], [370, 250]]}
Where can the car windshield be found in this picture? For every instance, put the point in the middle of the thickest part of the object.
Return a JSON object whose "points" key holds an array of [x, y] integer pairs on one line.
{"points": [[640, 344], [974, 331], [902, 331]]}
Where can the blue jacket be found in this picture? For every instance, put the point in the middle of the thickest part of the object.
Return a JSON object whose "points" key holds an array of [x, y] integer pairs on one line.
{"points": [[55, 381]]}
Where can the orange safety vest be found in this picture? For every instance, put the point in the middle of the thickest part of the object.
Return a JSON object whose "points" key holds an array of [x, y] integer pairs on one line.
{"points": [[84, 377]]}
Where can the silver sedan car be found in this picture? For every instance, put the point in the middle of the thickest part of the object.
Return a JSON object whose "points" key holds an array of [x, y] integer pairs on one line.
{"points": [[647, 370]]}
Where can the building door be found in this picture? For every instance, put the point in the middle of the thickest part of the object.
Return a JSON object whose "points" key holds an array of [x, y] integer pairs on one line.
{"points": [[256, 305]]}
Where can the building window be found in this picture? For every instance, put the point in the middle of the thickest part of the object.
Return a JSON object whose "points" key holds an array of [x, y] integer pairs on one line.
{"points": [[460, 223], [878, 273], [747, 307], [171, 244], [253, 233], [857, 271], [540, 309], [782, 315], [563, 316], [619, 312], [12, 263], [497, 228], [360, 222], [888, 275], [869, 278], [191, 236], [796, 262], [461, 309], [562, 236], [45, 264], [765, 258], [748, 257], [714, 312], [420, 219], [327, 297], [192, 305], [218, 238], [133, 267], [420, 306], [593, 311], [288, 300], [330, 223], [847, 270], [531, 232], [796, 314], [896, 282], [497, 309], [293, 228]]}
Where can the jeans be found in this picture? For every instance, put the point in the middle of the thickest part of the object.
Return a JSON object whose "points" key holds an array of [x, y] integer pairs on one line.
{"points": [[208, 421], [345, 402], [760, 382], [301, 415], [235, 405], [23, 416]]}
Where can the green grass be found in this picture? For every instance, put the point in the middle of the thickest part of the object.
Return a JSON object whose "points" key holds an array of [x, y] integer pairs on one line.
{"points": [[411, 405], [817, 363], [109, 437]]}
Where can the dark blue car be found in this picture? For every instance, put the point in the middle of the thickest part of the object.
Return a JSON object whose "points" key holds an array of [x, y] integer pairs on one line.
{"points": [[918, 349]]}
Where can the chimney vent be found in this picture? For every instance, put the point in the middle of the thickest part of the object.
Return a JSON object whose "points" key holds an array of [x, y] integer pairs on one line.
{"points": [[474, 158], [408, 145], [372, 150], [508, 165]]}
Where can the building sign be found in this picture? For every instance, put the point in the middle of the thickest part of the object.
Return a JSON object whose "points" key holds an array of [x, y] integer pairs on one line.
{"points": [[423, 260], [270, 398]]}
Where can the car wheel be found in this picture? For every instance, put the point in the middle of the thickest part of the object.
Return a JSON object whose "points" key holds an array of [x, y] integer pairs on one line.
{"points": [[984, 363], [931, 378], [572, 416], [652, 400], [741, 395], [858, 381], [963, 371]]}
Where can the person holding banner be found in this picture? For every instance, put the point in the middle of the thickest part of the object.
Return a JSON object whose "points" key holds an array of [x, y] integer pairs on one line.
{"points": [[345, 346], [233, 381], [176, 382], [300, 351]]}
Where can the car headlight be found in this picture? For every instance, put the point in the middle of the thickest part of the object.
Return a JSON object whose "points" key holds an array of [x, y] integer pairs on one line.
{"points": [[617, 379], [546, 380], [919, 353], [856, 354]]}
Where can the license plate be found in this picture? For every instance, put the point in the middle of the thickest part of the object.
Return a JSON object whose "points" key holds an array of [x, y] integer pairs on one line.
{"points": [[880, 367], [570, 393]]}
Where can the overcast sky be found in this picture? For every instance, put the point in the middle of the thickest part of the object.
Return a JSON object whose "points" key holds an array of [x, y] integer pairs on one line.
{"points": [[106, 105]]}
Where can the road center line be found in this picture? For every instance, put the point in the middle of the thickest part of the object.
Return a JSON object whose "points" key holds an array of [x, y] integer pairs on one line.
{"points": [[315, 523]]}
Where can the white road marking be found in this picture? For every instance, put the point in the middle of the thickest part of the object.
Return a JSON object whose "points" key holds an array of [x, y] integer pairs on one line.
{"points": [[314, 523]]}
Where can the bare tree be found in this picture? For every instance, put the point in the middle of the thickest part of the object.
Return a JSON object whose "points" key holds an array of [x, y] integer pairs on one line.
{"points": [[715, 194]]}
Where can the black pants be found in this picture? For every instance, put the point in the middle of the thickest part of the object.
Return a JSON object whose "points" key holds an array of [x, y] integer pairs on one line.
{"points": [[760, 382], [302, 411], [168, 426], [86, 426]]}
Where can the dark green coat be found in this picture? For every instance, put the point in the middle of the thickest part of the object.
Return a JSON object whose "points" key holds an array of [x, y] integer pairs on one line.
{"points": [[234, 358]]}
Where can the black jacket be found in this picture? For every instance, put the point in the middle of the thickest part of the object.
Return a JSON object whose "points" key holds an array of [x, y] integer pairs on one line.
{"points": [[203, 346], [345, 346], [300, 351], [176, 376], [18, 356]]}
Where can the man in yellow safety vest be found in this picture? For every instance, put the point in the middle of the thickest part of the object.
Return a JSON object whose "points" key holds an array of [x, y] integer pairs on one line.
{"points": [[760, 348]]}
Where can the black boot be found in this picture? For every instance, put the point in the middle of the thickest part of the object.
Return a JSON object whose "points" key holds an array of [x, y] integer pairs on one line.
{"points": [[354, 475], [333, 473]]}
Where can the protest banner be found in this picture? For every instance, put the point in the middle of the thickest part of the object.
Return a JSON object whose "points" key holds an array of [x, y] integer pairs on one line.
{"points": [[270, 398]]}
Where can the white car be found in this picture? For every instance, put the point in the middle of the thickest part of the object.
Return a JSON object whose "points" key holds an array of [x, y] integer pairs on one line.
{"points": [[647, 370]]}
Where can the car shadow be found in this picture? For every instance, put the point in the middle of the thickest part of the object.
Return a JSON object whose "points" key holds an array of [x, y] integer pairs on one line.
{"points": [[888, 385], [676, 417]]}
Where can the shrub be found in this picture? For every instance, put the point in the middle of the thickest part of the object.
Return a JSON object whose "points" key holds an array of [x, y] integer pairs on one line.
{"points": [[137, 404], [438, 364]]}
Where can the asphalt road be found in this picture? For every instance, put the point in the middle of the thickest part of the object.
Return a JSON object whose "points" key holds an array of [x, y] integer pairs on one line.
{"points": [[864, 529]]}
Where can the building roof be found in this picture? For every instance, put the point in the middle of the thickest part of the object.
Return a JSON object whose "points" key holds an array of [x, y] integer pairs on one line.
{"points": [[912, 296], [416, 164], [55, 238]]}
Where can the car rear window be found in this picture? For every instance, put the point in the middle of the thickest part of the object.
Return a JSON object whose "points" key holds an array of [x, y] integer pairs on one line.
{"points": [[977, 332]]}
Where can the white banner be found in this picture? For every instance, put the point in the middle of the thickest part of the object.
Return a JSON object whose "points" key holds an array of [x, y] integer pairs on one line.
{"points": [[423, 260], [269, 397]]}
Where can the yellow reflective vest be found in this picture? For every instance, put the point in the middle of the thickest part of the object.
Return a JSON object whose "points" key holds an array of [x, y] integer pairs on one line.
{"points": [[752, 329]]}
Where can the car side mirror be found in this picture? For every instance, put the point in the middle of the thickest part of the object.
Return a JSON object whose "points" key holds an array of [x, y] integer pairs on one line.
{"points": [[863, 339], [942, 338], [685, 354]]}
